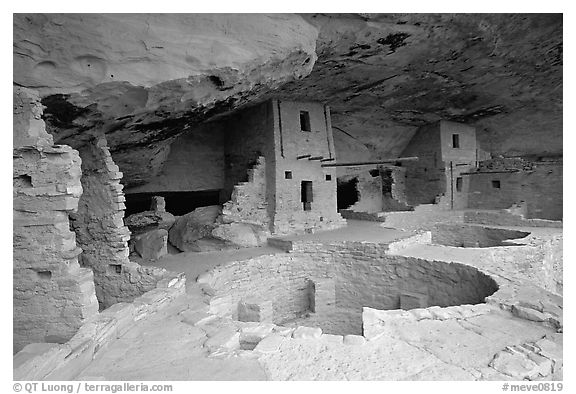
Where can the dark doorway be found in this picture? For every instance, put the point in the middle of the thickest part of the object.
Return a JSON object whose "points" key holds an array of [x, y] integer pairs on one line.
{"points": [[347, 193], [306, 195], [459, 184], [177, 203]]}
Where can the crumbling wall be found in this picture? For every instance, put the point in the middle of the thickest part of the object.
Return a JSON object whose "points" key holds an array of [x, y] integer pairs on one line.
{"points": [[248, 203], [248, 135], [100, 230], [394, 194], [369, 189], [52, 295], [538, 183]]}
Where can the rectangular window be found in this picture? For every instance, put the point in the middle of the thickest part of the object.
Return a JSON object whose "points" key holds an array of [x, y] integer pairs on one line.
{"points": [[328, 177], [455, 141], [115, 268], [496, 184], [46, 275], [459, 184], [306, 195], [305, 121], [287, 174]]}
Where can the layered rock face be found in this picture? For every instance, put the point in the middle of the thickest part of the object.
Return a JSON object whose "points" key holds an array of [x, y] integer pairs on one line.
{"points": [[148, 78], [53, 296], [145, 79]]}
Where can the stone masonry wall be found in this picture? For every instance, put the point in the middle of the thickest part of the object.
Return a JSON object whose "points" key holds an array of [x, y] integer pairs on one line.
{"points": [[300, 153], [283, 279], [100, 230], [540, 187], [425, 178], [290, 216], [52, 295]]}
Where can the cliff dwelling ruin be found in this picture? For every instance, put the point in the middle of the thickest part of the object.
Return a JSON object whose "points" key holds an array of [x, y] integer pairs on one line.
{"points": [[287, 197]]}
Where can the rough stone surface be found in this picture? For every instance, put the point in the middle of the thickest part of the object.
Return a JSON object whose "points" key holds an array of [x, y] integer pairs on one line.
{"points": [[193, 226], [166, 74], [151, 245], [149, 220], [244, 235]]}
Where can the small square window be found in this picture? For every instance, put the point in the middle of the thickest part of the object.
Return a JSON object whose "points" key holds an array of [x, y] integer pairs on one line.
{"points": [[287, 174], [496, 184], [305, 121], [455, 141], [115, 268], [328, 177]]}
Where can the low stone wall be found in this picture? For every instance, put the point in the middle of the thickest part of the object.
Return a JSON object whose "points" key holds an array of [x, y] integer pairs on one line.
{"points": [[503, 217], [470, 236], [424, 217], [371, 217], [52, 361]]}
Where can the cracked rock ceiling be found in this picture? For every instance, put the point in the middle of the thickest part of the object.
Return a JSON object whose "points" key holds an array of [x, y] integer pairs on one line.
{"points": [[144, 79]]}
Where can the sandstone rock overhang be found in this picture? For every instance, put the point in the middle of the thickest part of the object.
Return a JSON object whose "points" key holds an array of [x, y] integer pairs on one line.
{"points": [[143, 78]]}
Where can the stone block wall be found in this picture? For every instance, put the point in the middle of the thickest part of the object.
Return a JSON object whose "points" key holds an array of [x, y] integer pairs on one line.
{"points": [[293, 142], [52, 295], [467, 151], [540, 186], [424, 217], [100, 230], [506, 217], [367, 277], [282, 279], [289, 215], [425, 178]]}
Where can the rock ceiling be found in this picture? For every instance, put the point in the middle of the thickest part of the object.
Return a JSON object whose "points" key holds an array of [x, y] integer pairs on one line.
{"points": [[144, 79]]}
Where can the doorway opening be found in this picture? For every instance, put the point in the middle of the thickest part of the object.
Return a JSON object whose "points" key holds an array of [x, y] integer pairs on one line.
{"points": [[306, 195]]}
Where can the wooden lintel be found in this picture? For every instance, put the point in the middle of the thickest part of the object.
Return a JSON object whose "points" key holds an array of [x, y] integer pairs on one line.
{"points": [[370, 163]]}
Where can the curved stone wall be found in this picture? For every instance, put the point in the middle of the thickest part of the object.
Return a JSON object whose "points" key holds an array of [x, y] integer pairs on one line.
{"points": [[328, 285]]}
